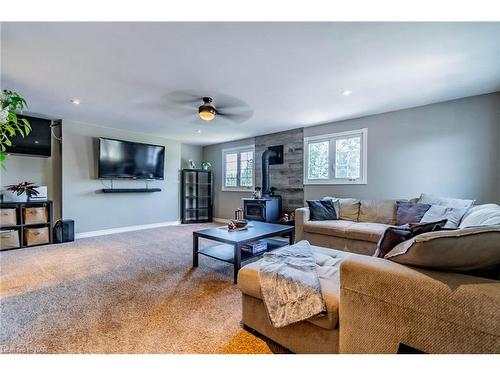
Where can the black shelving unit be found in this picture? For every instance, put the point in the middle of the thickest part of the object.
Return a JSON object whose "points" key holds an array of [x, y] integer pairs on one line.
{"points": [[20, 225], [197, 196]]}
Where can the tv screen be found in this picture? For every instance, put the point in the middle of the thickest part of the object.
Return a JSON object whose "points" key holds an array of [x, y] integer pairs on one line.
{"points": [[123, 159], [37, 142]]}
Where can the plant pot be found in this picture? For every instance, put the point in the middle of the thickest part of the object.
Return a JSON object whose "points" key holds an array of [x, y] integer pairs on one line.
{"points": [[9, 196]]}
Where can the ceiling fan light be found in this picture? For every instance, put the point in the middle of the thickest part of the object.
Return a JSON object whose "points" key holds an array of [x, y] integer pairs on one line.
{"points": [[207, 112]]}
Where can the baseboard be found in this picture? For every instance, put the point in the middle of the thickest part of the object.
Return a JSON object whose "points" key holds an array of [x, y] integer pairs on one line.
{"points": [[221, 220], [125, 229]]}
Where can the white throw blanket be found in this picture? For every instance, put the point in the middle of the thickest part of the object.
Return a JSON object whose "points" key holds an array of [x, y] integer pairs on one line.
{"points": [[289, 283]]}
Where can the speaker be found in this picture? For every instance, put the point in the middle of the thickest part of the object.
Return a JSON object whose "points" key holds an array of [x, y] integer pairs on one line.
{"points": [[64, 231]]}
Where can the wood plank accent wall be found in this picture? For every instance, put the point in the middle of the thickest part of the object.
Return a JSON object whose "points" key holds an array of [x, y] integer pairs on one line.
{"points": [[288, 177]]}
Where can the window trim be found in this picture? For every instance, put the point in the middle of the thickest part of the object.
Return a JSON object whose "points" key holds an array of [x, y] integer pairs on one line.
{"points": [[237, 150], [363, 180]]}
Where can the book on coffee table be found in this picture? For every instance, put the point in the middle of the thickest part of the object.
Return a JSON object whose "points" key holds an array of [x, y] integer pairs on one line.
{"points": [[254, 246]]}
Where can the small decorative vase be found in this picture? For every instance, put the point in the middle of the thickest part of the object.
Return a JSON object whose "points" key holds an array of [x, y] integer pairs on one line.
{"points": [[206, 165]]}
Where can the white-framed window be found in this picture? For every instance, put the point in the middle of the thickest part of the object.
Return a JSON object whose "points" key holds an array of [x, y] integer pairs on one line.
{"points": [[339, 158], [238, 168]]}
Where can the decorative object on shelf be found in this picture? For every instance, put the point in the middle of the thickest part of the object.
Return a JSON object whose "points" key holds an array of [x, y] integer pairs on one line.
{"points": [[272, 191], [238, 214], [206, 165], [257, 194], [22, 192], [192, 164], [41, 196], [11, 103]]}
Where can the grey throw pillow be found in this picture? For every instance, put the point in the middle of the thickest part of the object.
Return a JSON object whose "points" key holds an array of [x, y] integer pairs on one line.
{"points": [[459, 250], [452, 215], [407, 212], [322, 210], [447, 202]]}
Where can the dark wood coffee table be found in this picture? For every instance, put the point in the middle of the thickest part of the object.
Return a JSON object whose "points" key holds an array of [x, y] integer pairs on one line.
{"points": [[230, 249]]}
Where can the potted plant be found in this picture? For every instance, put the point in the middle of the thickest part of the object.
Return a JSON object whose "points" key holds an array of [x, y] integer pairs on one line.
{"points": [[206, 165], [22, 192], [11, 125]]}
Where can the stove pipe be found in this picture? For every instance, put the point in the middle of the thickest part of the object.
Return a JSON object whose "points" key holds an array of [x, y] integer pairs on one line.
{"points": [[265, 170]]}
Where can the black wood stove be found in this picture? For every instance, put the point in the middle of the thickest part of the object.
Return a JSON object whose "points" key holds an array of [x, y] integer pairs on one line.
{"points": [[267, 208], [264, 209]]}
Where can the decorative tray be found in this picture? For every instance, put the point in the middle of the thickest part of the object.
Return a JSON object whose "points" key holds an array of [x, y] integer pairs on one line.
{"points": [[235, 229]]}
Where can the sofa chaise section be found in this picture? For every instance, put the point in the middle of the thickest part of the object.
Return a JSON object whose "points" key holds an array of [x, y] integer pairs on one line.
{"points": [[375, 305], [384, 304]]}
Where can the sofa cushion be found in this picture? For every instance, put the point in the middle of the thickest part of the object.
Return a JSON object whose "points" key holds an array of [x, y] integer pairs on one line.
{"points": [[484, 214], [347, 229], [395, 235], [322, 210], [407, 212], [377, 211], [453, 216], [457, 250], [328, 263], [447, 202], [349, 208]]}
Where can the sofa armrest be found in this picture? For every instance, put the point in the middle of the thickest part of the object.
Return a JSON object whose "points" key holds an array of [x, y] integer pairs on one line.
{"points": [[384, 304], [302, 216]]}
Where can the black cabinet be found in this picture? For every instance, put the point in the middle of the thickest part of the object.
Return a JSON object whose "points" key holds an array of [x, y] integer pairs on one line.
{"points": [[197, 196]]}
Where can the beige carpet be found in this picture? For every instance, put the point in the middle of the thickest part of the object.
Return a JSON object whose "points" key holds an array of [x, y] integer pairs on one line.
{"points": [[133, 292]]}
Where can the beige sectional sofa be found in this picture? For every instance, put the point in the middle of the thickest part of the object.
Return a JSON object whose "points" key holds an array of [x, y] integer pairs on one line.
{"points": [[361, 224], [376, 305]]}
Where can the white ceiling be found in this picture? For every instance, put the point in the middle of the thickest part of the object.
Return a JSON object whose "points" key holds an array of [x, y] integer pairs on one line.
{"points": [[290, 74]]}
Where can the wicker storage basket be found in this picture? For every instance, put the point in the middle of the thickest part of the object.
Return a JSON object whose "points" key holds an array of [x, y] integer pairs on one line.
{"points": [[35, 215], [9, 239], [8, 217], [36, 236]]}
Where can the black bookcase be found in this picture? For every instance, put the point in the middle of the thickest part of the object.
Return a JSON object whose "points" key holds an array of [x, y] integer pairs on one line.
{"points": [[197, 196]]}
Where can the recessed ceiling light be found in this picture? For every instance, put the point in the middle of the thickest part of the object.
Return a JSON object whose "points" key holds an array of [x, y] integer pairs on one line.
{"points": [[346, 92], [198, 131], [75, 101]]}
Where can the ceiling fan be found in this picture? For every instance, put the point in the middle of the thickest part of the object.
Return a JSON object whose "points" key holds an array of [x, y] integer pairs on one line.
{"points": [[217, 107]]}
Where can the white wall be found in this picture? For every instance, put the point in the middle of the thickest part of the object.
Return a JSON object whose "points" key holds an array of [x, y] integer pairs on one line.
{"points": [[93, 210], [43, 171], [449, 149], [191, 152], [225, 202]]}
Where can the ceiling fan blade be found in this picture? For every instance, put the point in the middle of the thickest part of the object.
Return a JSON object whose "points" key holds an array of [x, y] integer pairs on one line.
{"points": [[224, 100], [183, 97], [236, 117]]}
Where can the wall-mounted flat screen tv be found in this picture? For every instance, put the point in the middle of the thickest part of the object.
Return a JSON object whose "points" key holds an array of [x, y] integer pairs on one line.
{"points": [[123, 159]]}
